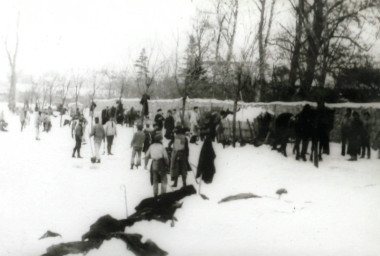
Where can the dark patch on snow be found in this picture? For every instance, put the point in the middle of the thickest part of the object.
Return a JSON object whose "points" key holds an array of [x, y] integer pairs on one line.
{"points": [[103, 227], [204, 197], [161, 208], [106, 227], [134, 244], [72, 248], [238, 197], [49, 234]]}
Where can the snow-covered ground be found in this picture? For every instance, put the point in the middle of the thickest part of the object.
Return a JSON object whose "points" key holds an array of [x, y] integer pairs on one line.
{"points": [[332, 210]]}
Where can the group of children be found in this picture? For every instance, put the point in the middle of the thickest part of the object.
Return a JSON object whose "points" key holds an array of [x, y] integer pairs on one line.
{"points": [[172, 160]]}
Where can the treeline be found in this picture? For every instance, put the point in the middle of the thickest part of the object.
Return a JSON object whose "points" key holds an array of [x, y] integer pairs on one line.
{"points": [[320, 51]]}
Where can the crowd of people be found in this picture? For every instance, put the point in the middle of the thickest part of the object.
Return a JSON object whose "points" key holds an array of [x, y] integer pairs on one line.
{"points": [[356, 135], [165, 138], [147, 140]]}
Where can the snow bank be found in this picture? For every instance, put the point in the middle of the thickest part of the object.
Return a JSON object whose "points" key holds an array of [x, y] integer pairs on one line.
{"points": [[332, 210], [249, 113]]}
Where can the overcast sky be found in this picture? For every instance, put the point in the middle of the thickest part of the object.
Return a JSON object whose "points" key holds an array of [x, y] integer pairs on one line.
{"points": [[91, 34], [58, 35]]}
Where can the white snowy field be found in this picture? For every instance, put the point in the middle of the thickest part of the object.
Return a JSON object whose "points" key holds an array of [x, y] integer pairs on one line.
{"points": [[332, 210]]}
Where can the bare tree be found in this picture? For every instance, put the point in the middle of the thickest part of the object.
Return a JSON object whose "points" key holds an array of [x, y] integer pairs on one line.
{"points": [[51, 86], [123, 77], [12, 57], [329, 24], [111, 76], [263, 35], [77, 80], [229, 32], [225, 29], [296, 51]]}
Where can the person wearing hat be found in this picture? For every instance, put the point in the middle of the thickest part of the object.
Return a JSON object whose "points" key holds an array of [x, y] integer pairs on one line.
{"points": [[179, 157], [78, 138], [137, 145], [159, 119], [160, 161]]}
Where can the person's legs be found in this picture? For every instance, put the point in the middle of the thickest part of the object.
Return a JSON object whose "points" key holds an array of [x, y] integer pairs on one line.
{"points": [[109, 145], [138, 157], [97, 145], [367, 145], [183, 172], [305, 144], [164, 182], [75, 149], [344, 142], [155, 183], [37, 133], [78, 146], [133, 157]]}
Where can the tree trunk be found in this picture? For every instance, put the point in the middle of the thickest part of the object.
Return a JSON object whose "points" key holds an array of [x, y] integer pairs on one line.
{"points": [[234, 120], [261, 52], [324, 65], [183, 111], [12, 90], [63, 103], [314, 44], [294, 64], [232, 39]]}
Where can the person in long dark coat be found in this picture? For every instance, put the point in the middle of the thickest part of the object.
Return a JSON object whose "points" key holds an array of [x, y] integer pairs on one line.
{"points": [[119, 113], [159, 119], [105, 115], [345, 129], [169, 125], [354, 138], [206, 167], [179, 164], [366, 134], [112, 112], [144, 103]]}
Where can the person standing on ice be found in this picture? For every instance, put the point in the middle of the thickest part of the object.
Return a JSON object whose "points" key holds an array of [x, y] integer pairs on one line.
{"points": [[160, 161], [105, 115], [366, 141], [354, 138], [23, 113], [110, 129], [345, 130], [137, 145], [179, 157], [78, 138], [98, 133], [159, 119], [376, 144], [37, 123], [194, 120], [169, 125]]}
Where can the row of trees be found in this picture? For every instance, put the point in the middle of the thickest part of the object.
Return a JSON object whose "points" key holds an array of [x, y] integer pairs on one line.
{"points": [[322, 44]]}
